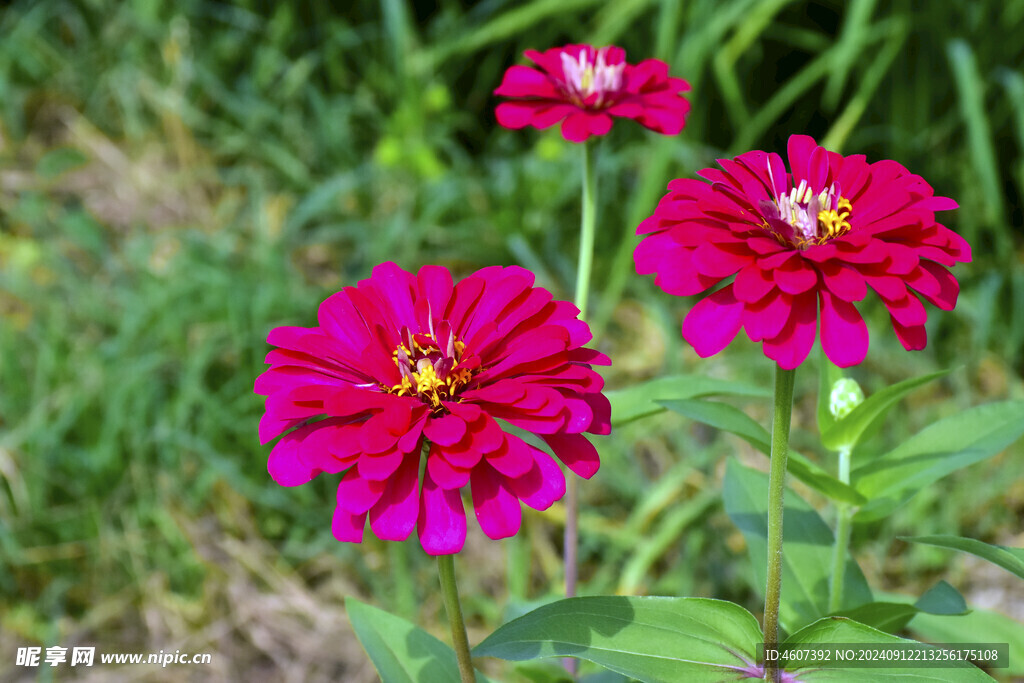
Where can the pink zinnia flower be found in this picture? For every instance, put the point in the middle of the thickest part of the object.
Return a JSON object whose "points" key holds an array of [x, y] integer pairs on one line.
{"points": [[405, 360], [584, 87], [813, 239]]}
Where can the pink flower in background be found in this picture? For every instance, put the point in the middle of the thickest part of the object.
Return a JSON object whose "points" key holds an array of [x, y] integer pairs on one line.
{"points": [[584, 87], [405, 360], [813, 239]]}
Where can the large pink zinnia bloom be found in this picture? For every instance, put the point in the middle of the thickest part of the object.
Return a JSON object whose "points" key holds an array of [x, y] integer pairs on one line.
{"points": [[813, 239], [404, 360], [584, 87]]}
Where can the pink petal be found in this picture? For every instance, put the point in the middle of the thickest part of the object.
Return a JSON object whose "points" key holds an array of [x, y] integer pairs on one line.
{"points": [[766, 318], [446, 430], [394, 515], [844, 335], [713, 322], [515, 115], [357, 495], [522, 81], [447, 474], [791, 346], [843, 281], [513, 458], [752, 284], [579, 126], [795, 277], [285, 464], [913, 338], [576, 451], [348, 528], [441, 524], [542, 485], [379, 467], [497, 510], [799, 149]]}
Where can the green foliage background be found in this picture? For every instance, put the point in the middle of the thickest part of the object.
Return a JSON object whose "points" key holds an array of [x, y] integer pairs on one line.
{"points": [[178, 178]]}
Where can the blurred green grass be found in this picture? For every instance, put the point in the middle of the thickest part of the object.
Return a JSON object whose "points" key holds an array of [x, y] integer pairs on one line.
{"points": [[175, 180]]}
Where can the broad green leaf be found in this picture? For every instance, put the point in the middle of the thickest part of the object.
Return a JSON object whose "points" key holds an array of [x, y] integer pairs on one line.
{"points": [[401, 651], [641, 400], [807, 560], [944, 447], [891, 617], [653, 639], [731, 419], [979, 626], [846, 433], [839, 630], [1010, 559]]}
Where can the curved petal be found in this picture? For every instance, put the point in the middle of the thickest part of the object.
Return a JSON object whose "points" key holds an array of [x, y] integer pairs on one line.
{"points": [[393, 517], [713, 322], [844, 334], [497, 509], [441, 523]]}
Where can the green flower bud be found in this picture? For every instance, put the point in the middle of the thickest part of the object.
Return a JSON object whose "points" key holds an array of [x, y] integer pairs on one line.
{"points": [[846, 395]]}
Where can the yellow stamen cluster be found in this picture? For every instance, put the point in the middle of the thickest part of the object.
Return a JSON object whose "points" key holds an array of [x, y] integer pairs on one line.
{"points": [[420, 376], [837, 222]]}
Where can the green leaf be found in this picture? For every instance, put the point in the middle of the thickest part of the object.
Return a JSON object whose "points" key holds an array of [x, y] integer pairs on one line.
{"points": [[942, 599], [650, 638], [828, 375], [979, 626], [944, 447], [731, 419], [839, 630], [1010, 559], [891, 617], [847, 432], [885, 616], [401, 651], [723, 416], [641, 400], [807, 561]]}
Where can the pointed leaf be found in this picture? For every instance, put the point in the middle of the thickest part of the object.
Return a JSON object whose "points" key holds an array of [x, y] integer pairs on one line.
{"points": [[807, 562], [944, 447], [731, 419], [891, 617], [942, 598], [846, 433], [1010, 559], [401, 651], [979, 626], [650, 638], [641, 400], [840, 631]]}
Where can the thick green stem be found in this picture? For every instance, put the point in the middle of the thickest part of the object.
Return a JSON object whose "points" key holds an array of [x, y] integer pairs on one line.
{"points": [[446, 570], [844, 524], [781, 417]]}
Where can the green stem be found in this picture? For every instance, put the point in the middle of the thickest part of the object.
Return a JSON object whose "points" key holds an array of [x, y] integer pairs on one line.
{"points": [[584, 264], [781, 417], [588, 221], [844, 525], [446, 570]]}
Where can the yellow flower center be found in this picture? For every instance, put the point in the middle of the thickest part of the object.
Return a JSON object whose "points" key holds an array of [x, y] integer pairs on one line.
{"points": [[431, 369]]}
